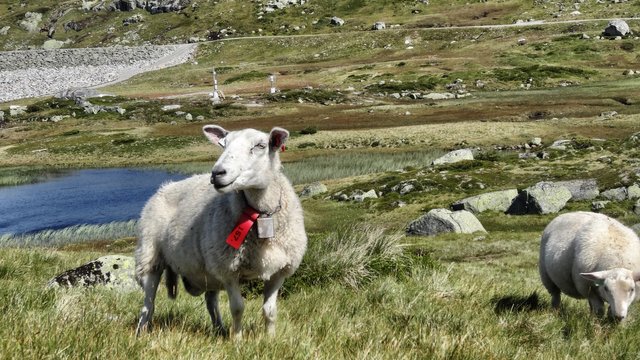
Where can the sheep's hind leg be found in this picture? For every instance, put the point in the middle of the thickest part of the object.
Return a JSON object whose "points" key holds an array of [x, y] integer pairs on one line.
{"points": [[236, 304], [149, 283], [211, 298], [269, 307]]}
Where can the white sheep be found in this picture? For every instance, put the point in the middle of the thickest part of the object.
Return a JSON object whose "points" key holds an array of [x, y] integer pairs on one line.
{"points": [[589, 255], [184, 228]]}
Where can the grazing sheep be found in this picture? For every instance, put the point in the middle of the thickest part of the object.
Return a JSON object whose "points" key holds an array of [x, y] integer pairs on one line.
{"points": [[589, 255], [184, 228]]}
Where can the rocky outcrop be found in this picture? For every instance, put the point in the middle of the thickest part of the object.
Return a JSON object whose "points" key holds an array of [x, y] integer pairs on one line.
{"points": [[112, 271], [541, 198], [493, 201], [454, 156], [439, 221]]}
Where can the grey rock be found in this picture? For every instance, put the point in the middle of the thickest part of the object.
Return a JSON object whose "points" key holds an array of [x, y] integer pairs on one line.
{"points": [[77, 95], [636, 228], [336, 21], [379, 25], [616, 27], [404, 187], [313, 189], [137, 18], [636, 207], [1, 116], [439, 221], [608, 114], [560, 144], [536, 141], [541, 198], [633, 192], [360, 196], [454, 156], [123, 5], [31, 22], [493, 201], [112, 271], [53, 44], [597, 206], [170, 107], [439, 96], [15, 110], [616, 194], [188, 117], [4, 30], [582, 189]]}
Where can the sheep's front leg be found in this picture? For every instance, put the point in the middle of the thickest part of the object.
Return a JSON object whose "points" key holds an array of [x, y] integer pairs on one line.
{"points": [[150, 283], [269, 307], [596, 304], [236, 304], [211, 298]]}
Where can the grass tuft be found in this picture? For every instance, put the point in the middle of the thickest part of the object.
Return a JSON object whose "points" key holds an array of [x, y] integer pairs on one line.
{"points": [[71, 235]]}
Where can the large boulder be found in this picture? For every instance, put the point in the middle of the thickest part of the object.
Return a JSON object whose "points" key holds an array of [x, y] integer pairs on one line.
{"points": [[633, 192], [616, 27], [494, 201], [582, 189], [541, 198], [454, 157], [439, 221], [313, 189], [112, 271]]}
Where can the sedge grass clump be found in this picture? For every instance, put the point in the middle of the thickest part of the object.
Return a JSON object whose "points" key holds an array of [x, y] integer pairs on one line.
{"points": [[352, 256]]}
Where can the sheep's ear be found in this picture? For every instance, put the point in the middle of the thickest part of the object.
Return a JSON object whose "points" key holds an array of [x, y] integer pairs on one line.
{"points": [[215, 134], [277, 138], [597, 277]]}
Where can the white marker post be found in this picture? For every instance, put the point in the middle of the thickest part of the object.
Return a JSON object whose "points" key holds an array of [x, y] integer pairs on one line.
{"points": [[272, 80], [215, 95]]}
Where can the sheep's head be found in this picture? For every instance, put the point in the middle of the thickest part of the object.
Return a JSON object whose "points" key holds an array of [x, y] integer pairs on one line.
{"points": [[249, 160], [617, 287]]}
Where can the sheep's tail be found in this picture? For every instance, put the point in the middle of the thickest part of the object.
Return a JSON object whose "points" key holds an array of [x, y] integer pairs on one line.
{"points": [[172, 283]]}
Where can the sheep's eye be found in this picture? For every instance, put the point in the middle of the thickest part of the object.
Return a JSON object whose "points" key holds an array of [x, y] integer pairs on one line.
{"points": [[260, 146], [606, 288]]}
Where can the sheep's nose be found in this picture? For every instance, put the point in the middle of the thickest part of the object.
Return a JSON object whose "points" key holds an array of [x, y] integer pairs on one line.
{"points": [[217, 173], [619, 318]]}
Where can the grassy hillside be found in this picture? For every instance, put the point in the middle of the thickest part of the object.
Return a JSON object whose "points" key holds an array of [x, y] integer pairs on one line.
{"points": [[202, 19]]}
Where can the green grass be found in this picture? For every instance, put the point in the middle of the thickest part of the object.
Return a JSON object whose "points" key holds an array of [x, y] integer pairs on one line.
{"points": [[345, 165], [458, 304], [71, 235]]}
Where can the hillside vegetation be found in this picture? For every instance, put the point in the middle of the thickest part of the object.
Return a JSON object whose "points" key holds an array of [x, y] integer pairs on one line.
{"points": [[358, 105]]}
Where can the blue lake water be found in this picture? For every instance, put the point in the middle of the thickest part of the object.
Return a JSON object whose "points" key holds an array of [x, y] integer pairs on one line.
{"points": [[81, 197]]}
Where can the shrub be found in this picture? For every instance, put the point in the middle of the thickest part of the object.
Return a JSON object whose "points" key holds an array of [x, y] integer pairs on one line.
{"points": [[309, 130]]}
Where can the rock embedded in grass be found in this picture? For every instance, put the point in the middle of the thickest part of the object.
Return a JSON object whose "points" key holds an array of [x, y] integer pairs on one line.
{"points": [[493, 201], [581, 189], [541, 198], [438, 221], [112, 271], [454, 157]]}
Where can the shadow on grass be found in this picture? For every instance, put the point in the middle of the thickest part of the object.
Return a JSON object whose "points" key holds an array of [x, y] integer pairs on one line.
{"points": [[517, 303]]}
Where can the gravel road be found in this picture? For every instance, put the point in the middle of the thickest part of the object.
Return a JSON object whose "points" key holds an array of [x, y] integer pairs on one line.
{"points": [[25, 74]]}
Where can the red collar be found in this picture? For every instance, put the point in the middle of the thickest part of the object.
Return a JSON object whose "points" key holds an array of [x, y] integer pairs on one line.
{"points": [[244, 224]]}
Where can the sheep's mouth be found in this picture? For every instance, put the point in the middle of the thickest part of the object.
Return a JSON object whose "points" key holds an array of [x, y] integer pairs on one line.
{"points": [[218, 185]]}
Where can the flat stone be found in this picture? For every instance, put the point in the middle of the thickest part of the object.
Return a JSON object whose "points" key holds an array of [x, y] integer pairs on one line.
{"points": [[438, 221], [493, 201]]}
